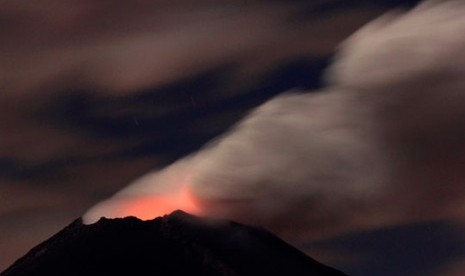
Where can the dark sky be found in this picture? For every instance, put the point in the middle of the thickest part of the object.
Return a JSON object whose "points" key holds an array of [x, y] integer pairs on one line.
{"points": [[96, 93]]}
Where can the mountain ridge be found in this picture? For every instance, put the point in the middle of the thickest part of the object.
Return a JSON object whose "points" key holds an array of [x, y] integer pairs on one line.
{"points": [[175, 244]]}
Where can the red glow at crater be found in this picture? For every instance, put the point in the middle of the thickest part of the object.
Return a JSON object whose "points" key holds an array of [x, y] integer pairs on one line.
{"points": [[151, 206]]}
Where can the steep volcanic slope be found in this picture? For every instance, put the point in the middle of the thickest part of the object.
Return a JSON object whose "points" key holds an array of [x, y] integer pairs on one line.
{"points": [[176, 244]]}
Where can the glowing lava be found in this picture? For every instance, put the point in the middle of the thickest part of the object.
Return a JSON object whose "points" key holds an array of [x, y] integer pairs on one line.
{"points": [[151, 206]]}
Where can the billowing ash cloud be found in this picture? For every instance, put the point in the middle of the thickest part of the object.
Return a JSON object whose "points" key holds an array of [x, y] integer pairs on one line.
{"points": [[381, 144]]}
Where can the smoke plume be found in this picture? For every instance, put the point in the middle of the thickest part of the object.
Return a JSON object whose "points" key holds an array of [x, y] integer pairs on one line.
{"points": [[381, 144]]}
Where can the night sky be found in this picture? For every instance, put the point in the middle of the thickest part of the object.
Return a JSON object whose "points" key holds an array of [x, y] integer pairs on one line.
{"points": [[94, 94]]}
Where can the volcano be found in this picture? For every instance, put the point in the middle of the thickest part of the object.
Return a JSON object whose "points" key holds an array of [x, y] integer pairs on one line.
{"points": [[175, 244]]}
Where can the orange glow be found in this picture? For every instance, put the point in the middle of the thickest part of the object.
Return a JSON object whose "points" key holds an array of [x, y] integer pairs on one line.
{"points": [[151, 206]]}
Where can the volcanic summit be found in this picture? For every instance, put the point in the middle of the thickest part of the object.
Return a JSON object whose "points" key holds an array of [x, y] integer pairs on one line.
{"points": [[175, 244]]}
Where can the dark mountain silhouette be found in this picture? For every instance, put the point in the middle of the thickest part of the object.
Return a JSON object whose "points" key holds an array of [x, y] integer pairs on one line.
{"points": [[176, 244]]}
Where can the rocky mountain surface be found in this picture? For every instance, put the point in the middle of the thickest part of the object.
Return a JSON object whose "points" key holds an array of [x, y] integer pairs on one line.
{"points": [[176, 244]]}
